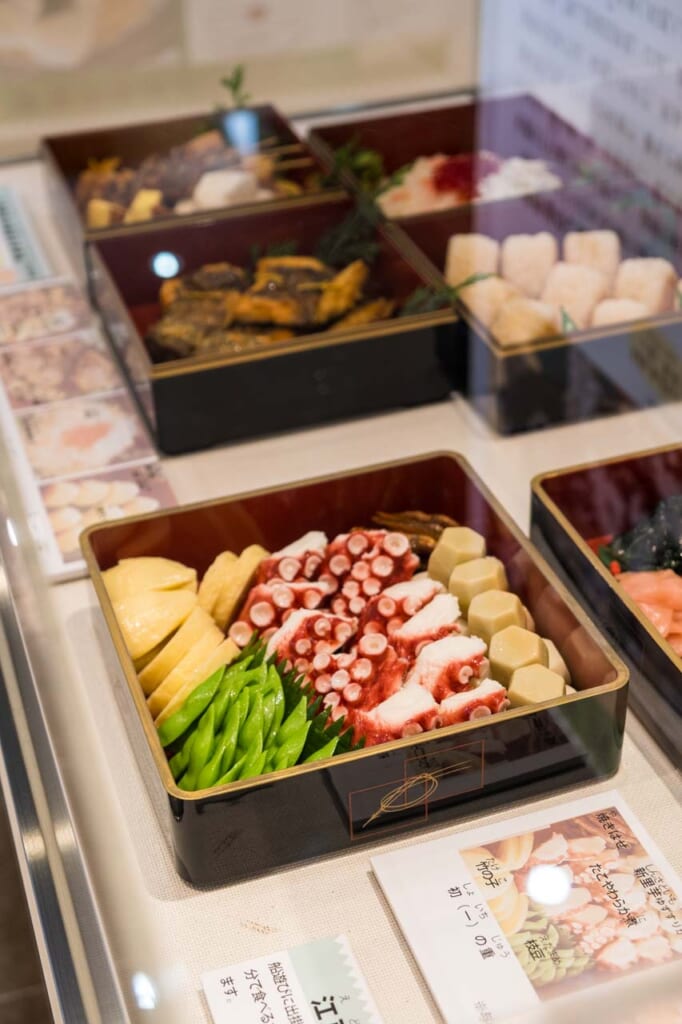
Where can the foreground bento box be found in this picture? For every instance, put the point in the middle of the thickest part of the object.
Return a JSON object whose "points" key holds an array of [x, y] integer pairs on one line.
{"points": [[573, 371], [572, 510], [200, 400], [459, 145], [309, 810], [112, 165]]}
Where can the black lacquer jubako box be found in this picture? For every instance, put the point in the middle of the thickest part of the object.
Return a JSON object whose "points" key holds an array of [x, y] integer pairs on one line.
{"points": [[255, 826]]}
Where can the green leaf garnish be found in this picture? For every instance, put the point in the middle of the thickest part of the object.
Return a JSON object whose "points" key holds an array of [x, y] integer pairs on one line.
{"points": [[568, 324], [234, 83]]}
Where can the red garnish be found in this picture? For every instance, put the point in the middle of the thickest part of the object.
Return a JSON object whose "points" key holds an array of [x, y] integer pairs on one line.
{"points": [[463, 173], [615, 568]]}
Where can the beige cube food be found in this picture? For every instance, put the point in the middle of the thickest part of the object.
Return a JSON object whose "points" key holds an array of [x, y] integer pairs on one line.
{"points": [[456, 544], [485, 298], [597, 249], [513, 648], [492, 611], [101, 213], [651, 281], [526, 261], [468, 255], [534, 684], [143, 205], [476, 576], [523, 320], [618, 311], [575, 289], [556, 661]]}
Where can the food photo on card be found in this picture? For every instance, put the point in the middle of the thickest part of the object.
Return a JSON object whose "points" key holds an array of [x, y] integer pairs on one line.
{"points": [[74, 504], [37, 311], [536, 909], [57, 368], [83, 435]]}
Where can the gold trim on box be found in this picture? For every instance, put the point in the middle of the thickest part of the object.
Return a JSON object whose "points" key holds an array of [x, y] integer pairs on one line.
{"points": [[537, 489], [157, 751]]}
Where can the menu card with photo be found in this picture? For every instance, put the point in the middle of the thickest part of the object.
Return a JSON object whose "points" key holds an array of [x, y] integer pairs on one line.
{"points": [[566, 906]]}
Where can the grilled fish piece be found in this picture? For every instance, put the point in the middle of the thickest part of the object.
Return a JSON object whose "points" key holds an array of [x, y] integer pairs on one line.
{"points": [[300, 291], [367, 313], [286, 291], [341, 293]]}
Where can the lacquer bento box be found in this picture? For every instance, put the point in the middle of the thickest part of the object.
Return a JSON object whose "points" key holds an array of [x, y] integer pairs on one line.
{"points": [[614, 528], [269, 321], [133, 176], [448, 741], [569, 302], [430, 160]]}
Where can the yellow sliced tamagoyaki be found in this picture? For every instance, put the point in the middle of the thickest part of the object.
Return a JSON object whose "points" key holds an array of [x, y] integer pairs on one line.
{"points": [[133, 575], [185, 669], [148, 617], [214, 577], [236, 584], [171, 653], [222, 655]]}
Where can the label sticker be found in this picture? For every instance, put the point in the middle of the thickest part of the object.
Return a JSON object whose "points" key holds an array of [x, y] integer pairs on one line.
{"points": [[319, 983]]}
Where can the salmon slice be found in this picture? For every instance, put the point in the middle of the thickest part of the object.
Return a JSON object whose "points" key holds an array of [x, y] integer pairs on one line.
{"points": [[663, 588], [661, 617]]}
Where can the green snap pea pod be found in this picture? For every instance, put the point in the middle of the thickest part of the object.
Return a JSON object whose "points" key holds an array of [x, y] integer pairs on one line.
{"points": [[230, 735], [242, 703], [289, 752], [252, 728], [178, 763], [253, 755], [273, 706], [237, 667], [292, 722], [255, 768], [233, 773], [197, 702], [214, 766], [202, 746], [326, 751]]}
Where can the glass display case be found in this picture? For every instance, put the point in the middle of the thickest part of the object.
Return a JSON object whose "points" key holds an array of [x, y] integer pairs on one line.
{"points": [[391, 314]]}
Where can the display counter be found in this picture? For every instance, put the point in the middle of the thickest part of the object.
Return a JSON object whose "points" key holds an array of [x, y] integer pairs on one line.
{"points": [[121, 936]]}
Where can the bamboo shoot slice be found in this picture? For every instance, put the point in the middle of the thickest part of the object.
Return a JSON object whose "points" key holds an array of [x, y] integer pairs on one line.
{"points": [[179, 645], [186, 670], [147, 618], [223, 655]]}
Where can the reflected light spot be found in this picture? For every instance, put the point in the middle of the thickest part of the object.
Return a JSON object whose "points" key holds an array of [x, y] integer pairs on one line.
{"points": [[144, 991], [241, 129], [548, 884], [12, 533], [165, 264]]}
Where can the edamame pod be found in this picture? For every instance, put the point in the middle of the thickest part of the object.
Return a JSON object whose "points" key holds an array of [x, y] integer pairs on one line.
{"points": [[197, 702], [294, 721], [326, 751], [289, 752]]}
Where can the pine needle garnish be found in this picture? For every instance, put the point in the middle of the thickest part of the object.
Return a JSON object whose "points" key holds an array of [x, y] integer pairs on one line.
{"points": [[352, 239], [365, 164], [428, 300]]}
